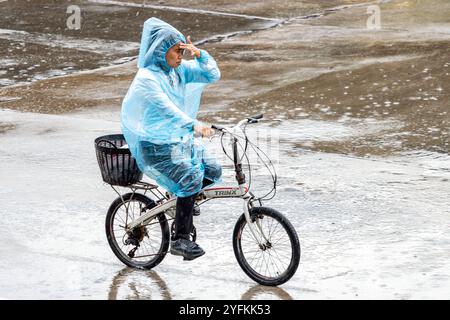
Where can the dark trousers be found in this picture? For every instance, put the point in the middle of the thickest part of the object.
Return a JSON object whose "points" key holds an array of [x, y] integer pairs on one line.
{"points": [[184, 214]]}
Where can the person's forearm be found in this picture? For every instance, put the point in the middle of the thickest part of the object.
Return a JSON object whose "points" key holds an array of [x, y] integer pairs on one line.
{"points": [[209, 66]]}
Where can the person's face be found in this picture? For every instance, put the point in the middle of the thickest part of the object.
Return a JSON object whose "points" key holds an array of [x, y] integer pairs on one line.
{"points": [[174, 56]]}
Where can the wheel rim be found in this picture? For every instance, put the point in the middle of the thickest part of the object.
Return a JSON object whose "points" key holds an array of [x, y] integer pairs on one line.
{"points": [[149, 236], [274, 258]]}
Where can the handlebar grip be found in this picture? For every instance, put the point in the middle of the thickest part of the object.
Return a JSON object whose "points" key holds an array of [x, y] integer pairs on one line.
{"points": [[216, 127], [254, 119]]}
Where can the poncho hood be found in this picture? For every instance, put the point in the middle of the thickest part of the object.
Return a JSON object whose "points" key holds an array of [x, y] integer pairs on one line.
{"points": [[157, 38]]}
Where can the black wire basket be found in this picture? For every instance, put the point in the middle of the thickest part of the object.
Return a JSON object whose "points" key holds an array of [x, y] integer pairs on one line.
{"points": [[117, 165]]}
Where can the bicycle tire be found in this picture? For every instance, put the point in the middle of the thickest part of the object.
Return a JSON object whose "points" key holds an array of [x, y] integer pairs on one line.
{"points": [[260, 213], [120, 254]]}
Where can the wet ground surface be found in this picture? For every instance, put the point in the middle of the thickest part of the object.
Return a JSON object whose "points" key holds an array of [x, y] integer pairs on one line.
{"points": [[369, 227], [38, 42], [362, 119], [270, 8]]}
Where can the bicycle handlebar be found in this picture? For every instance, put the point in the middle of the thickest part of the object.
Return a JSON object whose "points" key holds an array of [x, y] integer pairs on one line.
{"points": [[253, 119]]}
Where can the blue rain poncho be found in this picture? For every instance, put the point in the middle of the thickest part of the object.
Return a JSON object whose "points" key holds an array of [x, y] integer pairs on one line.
{"points": [[160, 110]]}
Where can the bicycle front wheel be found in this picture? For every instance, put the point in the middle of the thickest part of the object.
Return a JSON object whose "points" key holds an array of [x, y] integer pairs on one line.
{"points": [[272, 257]]}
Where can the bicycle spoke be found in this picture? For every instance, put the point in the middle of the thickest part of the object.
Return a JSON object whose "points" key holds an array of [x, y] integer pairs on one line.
{"points": [[118, 215], [119, 238], [265, 263], [275, 267], [255, 254], [282, 255], [251, 250], [270, 228], [280, 239], [282, 262], [276, 263], [272, 264], [132, 209], [148, 255], [259, 262], [275, 229], [150, 244], [251, 235], [145, 246]]}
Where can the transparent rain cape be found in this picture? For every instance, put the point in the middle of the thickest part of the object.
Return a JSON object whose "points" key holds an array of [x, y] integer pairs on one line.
{"points": [[160, 110]]}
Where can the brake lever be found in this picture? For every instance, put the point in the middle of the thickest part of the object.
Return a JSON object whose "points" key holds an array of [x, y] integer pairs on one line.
{"points": [[254, 119]]}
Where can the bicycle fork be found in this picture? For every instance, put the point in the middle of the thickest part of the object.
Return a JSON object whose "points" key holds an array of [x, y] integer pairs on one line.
{"points": [[257, 232]]}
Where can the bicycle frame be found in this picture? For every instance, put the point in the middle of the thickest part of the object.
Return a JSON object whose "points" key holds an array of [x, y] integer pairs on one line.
{"points": [[208, 193], [241, 191]]}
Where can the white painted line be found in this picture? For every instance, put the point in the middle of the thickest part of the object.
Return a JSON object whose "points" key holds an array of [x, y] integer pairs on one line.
{"points": [[179, 9]]}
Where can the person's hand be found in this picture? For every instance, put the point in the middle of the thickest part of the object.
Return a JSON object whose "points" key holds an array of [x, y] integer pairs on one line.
{"points": [[190, 47], [204, 132]]}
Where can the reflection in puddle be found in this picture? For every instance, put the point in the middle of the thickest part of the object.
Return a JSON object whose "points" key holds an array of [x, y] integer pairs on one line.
{"points": [[260, 292], [133, 284]]}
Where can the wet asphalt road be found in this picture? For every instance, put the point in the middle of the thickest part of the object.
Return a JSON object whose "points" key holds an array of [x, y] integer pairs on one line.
{"points": [[362, 121]]}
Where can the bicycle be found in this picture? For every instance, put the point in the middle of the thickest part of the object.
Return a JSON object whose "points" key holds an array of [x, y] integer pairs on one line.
{"points": [[137, 226]]}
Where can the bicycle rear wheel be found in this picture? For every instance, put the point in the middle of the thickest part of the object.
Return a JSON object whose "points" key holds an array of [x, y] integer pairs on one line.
{"points": [[276, 259], [144, 246]]}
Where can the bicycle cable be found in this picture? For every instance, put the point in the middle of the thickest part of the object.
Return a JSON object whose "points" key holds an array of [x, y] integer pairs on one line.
{"points": [[272, 174], [268, 164]]}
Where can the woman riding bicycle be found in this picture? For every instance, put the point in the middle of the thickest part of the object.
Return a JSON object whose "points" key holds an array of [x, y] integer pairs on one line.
{"points": [[158, 121]]}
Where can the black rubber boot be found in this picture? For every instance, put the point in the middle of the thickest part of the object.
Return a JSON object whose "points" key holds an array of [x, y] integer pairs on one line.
{"points": [[186, 248]]}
